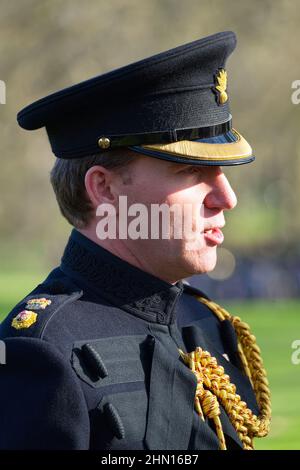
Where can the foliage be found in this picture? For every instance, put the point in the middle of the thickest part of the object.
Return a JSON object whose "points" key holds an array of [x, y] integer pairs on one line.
{"points": [[49, 44]]}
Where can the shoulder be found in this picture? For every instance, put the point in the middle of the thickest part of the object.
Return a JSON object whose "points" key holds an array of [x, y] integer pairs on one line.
{"points": [[31, 316], [193, 291], [192, 308]]}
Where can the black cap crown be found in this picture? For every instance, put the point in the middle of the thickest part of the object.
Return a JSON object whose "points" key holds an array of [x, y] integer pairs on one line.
{"points": [[173, 97]]}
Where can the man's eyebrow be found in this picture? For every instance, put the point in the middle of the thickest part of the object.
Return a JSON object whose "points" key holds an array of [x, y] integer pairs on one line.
{"points": [[175, 165]]}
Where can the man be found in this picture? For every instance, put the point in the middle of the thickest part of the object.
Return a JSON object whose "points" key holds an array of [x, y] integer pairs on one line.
{"points": [[114, 351]]}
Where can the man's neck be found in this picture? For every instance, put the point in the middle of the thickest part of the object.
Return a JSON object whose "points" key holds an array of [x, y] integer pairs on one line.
{"points": [[119, 248]]}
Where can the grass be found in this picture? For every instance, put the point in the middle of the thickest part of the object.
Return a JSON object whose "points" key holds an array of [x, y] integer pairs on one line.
{"points": [[15, 286], [275, 324]]}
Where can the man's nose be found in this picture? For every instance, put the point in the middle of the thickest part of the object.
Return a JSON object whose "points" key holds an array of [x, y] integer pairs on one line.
{"points": [[221, 195]]}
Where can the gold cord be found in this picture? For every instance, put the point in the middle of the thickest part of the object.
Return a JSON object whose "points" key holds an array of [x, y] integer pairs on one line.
{"points": [[214, 386]]}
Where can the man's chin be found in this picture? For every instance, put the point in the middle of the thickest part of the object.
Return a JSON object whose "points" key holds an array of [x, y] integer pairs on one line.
{"points": [[202, 263]]}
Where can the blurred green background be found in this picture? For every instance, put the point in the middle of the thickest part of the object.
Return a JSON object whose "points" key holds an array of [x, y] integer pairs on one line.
{"points": [[46, 45]]}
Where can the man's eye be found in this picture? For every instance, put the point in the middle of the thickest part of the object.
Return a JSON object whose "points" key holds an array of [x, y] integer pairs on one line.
{"points": [[194, 170]]}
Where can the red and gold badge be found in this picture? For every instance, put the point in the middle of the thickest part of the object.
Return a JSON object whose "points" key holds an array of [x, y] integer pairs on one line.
{"points": [[24, 319]]}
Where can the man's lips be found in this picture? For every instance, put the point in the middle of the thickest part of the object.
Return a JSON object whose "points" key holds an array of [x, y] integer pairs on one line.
{"points": [[214, 235]]}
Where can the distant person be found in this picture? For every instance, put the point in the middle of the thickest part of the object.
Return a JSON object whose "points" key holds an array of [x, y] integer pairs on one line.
{"points": [[114, 350]]}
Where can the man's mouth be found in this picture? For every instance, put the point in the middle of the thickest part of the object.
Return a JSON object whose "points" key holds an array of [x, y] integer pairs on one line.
{"points": [[214, 236]]}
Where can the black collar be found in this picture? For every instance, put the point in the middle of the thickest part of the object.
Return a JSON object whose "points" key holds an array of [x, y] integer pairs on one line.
{"points": [[119, 282]]}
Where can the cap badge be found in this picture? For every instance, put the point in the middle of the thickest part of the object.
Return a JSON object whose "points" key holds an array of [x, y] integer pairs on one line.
{"points": [[221, 85], [38, 304], [24, 319]]}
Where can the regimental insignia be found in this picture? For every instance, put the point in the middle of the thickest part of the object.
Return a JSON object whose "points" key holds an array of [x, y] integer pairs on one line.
{"points": [[38, 304], [24, 319], [221, 85]]}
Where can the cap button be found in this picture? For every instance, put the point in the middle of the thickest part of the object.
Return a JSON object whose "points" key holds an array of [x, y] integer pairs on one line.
{"points": [[104, 142]]}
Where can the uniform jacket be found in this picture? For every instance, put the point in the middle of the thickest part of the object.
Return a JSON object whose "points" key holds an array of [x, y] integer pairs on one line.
{"points": [[100, 368]]}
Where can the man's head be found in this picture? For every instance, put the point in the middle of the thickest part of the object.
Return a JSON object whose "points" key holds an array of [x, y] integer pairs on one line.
{"points": [[159, 131], [200, 194]]}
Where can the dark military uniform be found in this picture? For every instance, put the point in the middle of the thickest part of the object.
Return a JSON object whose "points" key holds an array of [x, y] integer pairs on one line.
{"points": [[93, 358], [100, 367]]}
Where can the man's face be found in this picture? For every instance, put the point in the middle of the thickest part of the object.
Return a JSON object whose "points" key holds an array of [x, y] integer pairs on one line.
{"points": [[204, 190]]}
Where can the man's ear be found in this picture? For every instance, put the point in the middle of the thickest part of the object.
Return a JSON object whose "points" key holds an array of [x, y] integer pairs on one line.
{"points": [[99, 185]]}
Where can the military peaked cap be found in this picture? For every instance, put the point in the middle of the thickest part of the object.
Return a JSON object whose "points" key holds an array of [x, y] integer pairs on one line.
{"points": [[173, 106]]}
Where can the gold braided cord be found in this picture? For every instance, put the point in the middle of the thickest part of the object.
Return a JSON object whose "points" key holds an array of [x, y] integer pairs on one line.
{"points": [[206, 402], [251, 359], [214, 386]]}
